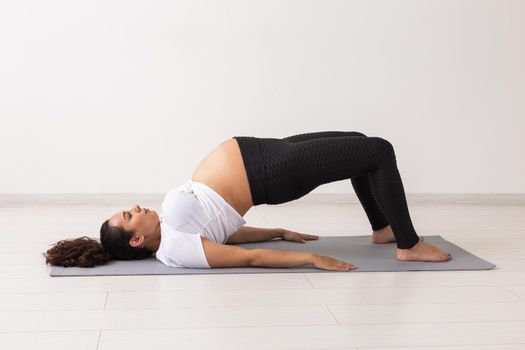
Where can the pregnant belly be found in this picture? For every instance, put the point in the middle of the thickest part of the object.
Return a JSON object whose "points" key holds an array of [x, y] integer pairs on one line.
{"points": [[223, 171]]}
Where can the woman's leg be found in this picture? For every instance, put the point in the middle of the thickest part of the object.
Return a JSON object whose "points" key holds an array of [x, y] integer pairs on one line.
{"points": [[318, 161], [361, 184]]}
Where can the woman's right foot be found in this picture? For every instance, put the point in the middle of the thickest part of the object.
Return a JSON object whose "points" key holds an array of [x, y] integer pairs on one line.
{"points": [[422, 251]]}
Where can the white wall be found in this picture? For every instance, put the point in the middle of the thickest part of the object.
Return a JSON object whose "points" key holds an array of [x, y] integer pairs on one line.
{"points": [[128, 96]]}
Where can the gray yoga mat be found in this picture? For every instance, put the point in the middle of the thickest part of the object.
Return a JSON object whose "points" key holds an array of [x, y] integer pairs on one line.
{"points": [[358, 250]]}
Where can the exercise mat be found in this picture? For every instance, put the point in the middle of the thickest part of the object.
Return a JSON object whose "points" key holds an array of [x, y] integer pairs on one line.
{"points": [[358, 250]]}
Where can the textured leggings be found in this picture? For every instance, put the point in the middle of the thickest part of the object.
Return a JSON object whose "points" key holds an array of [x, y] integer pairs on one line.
{"points": [[283, 170]]}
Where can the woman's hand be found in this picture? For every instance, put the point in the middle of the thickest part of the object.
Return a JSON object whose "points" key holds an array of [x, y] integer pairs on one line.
{"points": [[328, 263], [296, 236]]}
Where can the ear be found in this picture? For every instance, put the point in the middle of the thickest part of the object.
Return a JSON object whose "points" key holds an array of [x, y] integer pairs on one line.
{"points": [[136, 241]]}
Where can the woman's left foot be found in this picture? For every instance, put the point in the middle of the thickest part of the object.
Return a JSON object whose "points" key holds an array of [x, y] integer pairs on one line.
{"points": [[385, 235], [382, 238]]}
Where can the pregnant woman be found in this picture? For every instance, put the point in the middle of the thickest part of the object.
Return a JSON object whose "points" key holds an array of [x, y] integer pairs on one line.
{"points": [[201, 219]]}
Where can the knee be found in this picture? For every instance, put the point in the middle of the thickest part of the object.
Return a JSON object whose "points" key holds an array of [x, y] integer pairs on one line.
{"points": [[384, 146]]}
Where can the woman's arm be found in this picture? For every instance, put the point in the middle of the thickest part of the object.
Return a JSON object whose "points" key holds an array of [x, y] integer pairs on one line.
{"points": [[247, 234], [223, 255]]}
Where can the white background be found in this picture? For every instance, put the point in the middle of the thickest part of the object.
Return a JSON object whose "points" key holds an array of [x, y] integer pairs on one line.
{"points": [[128, 96]]}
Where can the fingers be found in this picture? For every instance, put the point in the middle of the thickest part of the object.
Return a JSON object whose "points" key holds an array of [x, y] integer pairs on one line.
{"points": [[346, 266], [301, 237], [305, 236]]}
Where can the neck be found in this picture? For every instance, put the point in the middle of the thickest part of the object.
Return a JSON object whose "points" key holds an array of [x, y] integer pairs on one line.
{"points": [[154, 244]]}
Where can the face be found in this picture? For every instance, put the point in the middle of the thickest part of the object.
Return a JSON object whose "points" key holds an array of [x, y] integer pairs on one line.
{"points": [[142, 221]]}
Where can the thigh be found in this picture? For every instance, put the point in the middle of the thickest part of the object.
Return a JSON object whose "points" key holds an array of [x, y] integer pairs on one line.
{"points": [[324, 160]]}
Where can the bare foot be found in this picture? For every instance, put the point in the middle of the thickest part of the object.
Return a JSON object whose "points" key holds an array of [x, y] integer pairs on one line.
{"points": [[423, 251], [385, 235]]}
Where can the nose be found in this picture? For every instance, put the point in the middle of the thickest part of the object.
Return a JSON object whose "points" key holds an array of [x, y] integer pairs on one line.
{"points": [[139, 209]]}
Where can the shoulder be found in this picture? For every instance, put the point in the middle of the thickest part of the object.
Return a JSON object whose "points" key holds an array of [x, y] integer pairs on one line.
{"points": [[182, 249]]}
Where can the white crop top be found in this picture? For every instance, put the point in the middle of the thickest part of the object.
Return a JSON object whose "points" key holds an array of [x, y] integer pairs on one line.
{"points": [[187, 212]]}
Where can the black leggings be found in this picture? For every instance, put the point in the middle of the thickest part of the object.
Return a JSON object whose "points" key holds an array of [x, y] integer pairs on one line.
{"points": [[283, 170]]}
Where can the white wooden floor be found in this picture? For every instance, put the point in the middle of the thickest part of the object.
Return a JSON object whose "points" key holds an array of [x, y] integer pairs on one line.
{"points": [[353, 310]]}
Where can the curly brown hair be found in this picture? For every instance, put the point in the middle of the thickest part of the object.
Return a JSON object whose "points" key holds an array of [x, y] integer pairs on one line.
{"points": [[87, 252]]}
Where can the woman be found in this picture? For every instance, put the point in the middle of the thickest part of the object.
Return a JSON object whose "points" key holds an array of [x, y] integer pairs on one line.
{"points": [[200, 219]]}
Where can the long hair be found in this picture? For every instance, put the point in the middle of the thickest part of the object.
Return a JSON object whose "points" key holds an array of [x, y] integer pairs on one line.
{"points": [[87, 252]]}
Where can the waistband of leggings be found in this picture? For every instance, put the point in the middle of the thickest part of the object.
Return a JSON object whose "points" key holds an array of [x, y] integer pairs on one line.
{"points": [[255, 168]]}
